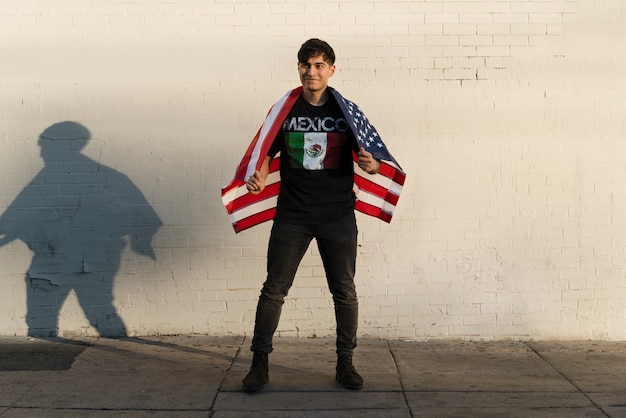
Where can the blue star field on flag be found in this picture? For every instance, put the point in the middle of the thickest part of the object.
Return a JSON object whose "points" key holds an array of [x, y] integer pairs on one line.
{"points": [[363, 130]]}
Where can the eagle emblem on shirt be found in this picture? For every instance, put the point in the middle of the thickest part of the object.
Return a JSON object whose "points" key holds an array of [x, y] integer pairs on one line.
{"points": [[314, 150]]}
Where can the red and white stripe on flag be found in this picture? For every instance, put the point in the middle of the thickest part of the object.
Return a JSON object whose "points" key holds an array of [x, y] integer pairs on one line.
{"points": [[377, 195]]}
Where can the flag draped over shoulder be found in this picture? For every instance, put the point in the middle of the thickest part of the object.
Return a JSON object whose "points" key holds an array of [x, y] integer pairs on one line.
{"points": [[377, 194]]}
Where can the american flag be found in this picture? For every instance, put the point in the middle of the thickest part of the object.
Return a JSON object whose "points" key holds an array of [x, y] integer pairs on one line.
{"points": [[363, 130], [377, 194]]}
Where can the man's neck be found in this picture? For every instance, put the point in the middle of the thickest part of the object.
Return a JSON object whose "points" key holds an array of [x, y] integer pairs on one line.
{"points": [[315, 98]]}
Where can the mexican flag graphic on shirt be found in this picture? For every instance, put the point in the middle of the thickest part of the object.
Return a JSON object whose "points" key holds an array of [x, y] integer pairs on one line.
{"points": [[315, 150]]}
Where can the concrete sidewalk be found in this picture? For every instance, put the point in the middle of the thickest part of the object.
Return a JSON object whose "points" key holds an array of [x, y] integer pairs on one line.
{"points": [[199, 376]]}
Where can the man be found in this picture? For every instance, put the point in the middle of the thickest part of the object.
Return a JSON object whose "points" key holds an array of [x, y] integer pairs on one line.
{"points": [[316, 145]]}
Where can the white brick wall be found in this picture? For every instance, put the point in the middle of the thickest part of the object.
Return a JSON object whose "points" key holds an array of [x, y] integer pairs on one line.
{"points": [[508, 117]]}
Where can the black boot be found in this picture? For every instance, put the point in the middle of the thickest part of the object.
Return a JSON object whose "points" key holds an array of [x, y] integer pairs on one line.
{"points": [[346, 375], [258, 375]]}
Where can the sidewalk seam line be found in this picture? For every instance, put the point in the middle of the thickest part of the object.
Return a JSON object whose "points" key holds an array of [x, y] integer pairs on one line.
{"points": [[570, 381], [220, 388], [395, 365]]}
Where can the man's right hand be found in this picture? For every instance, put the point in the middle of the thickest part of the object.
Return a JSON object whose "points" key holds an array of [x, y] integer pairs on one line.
{"points": [[255, 183]]}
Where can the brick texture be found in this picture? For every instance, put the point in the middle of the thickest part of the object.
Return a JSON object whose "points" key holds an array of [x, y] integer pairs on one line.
{"points": [[508, 117]]}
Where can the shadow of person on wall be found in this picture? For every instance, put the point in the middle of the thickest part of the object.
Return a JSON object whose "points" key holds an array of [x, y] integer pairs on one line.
{"points": [[76, 216]]}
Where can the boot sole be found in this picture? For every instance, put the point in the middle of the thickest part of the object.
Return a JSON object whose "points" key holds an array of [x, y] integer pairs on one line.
{"points": [[346, 386], [253, 389]]}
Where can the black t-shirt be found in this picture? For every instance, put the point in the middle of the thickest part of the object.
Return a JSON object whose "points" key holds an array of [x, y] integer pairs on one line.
{"points": [[316, 167]]}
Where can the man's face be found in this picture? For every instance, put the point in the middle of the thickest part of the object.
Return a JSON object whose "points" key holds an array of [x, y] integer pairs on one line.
{"points": [[315, 73]]}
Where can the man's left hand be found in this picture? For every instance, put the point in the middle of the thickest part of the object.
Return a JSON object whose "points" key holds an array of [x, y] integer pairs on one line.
{"points": [[368, 163]]}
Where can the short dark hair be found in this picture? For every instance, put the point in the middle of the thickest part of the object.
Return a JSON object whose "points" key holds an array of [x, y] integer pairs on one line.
{"points": [[314, 47]]}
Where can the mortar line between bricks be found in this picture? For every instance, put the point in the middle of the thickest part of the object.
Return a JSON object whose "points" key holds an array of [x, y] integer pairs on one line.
{"points": [[570, 381], [395, 365]]}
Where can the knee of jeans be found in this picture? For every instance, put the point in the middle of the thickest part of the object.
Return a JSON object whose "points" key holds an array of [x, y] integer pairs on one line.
{"points": [[346, 300], [344, 293], [273, 295]]}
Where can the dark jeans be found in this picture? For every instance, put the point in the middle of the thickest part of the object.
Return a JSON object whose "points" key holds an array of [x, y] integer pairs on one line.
{"points": [[337, 242]]}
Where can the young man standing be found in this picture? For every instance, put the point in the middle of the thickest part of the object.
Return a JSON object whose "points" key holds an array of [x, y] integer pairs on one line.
{"points": [[316, 140]]}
